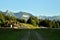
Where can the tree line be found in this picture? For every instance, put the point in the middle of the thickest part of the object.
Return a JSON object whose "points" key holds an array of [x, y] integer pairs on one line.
{"points": [[45, 23], [32, 20]]}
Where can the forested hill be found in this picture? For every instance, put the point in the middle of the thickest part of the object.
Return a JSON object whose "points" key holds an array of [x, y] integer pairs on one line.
{"points": [[6, 21]]}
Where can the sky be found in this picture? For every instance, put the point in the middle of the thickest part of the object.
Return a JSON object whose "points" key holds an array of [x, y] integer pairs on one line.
{"points": [[35, 7]]}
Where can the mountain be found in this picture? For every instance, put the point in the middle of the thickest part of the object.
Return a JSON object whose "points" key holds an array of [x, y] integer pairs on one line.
{"points": [[9, 13], [42, 17], [25, 15], [56, 18], [49, 17], [20, 15]]}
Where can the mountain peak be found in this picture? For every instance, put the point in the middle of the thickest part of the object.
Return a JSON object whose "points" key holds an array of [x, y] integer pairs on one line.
{"points": [[8, 11]]}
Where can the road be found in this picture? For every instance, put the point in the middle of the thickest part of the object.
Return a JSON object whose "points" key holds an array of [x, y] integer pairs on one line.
{"points": [[32, 35]]}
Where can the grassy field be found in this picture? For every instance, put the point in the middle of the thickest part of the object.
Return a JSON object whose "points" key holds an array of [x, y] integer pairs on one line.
{"points": [[29, 34], [50, 34]]}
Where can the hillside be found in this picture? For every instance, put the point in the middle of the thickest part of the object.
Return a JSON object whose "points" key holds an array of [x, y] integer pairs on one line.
{"points": [[25, 26], [26, 15], [9, 19]]}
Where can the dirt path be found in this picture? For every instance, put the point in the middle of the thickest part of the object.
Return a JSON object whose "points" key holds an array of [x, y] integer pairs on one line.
{"points": [[26, 36], [32, 35], [38, 35]]}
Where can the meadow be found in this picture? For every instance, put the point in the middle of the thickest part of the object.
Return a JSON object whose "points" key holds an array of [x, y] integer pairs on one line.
{"points": [[29, 34]]}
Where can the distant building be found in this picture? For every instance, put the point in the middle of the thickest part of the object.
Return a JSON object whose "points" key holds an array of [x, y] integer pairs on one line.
{"points": [[11, 26]]}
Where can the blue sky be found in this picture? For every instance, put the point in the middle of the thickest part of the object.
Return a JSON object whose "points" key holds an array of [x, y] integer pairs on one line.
{"points": [[35, 7]]}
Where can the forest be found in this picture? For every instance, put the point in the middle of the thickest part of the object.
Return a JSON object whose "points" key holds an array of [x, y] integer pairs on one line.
{"points": [[6, 20]]}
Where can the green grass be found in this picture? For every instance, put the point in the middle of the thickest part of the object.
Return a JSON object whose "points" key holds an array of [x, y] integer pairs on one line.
{"points": [[17, 34], [11, 34], [50, 34]]}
